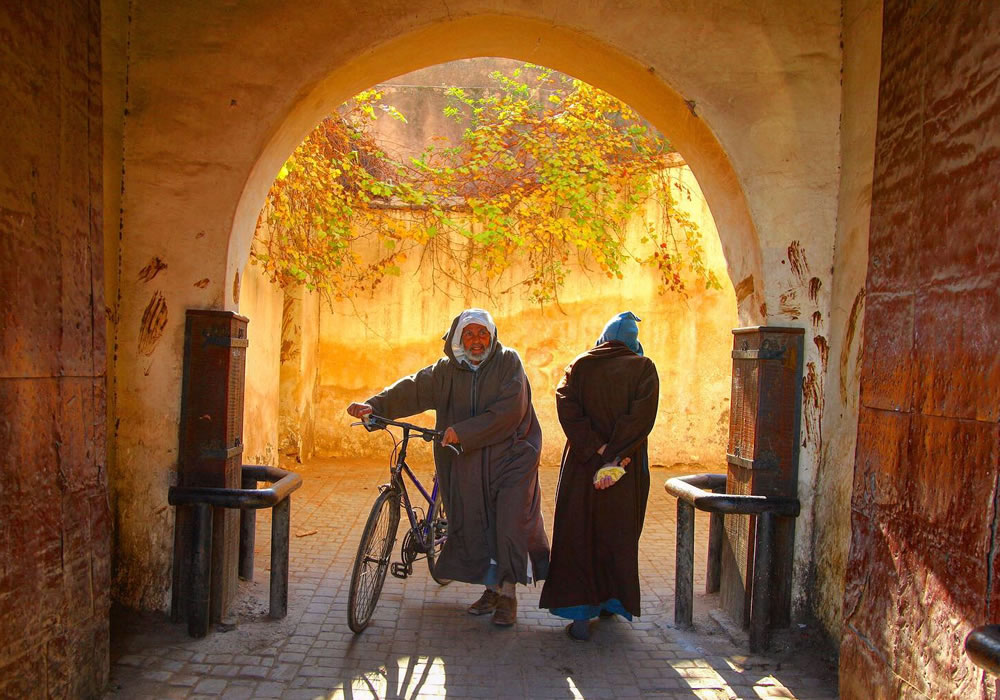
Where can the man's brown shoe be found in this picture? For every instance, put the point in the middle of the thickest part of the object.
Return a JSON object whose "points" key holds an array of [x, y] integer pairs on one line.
{"points": [[486, 604], [505, 614]]}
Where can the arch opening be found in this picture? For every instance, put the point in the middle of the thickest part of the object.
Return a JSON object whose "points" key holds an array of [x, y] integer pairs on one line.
{"points": [[544, 44], [322, 369]]}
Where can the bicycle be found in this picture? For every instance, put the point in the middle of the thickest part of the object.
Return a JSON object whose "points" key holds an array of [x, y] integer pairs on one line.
{"points": [[426, 535]]}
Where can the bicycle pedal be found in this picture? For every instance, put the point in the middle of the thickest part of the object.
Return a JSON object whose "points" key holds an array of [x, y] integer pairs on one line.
{"points": [[400, 570]]}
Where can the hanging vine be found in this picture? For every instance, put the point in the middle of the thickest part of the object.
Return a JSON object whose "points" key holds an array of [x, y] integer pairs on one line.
{"points": [[548, 169]]}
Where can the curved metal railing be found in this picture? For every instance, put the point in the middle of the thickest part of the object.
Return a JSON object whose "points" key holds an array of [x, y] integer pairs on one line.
{"points": [[701, 491], [248, 499]]}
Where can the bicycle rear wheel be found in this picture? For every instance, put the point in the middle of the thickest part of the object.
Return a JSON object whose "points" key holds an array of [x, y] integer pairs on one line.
{"points": [[372, 560], [439, 533]]}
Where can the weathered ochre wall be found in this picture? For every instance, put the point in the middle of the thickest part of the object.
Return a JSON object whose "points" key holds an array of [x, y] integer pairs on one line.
{"points": [[299, 333], [220, 94], [841, 349], [421, 97], [55, 544], [369, 343], [261, 302], [923, 569]]}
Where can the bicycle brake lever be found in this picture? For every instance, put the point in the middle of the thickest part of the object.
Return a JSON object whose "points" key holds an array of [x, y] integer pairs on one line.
{"points": [[366, 423]]}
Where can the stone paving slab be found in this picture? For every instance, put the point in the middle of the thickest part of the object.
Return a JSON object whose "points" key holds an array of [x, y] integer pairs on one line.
{"points": [[421, 643]]}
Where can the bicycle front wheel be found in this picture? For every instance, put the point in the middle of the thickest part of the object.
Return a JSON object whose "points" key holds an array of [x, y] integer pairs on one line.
{"points": [[438, 533], [372, 560]]}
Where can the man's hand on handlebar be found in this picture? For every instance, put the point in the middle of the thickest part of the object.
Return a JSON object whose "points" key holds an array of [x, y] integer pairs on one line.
{"points": [[450, 437], [451, 441], [359, 410]]}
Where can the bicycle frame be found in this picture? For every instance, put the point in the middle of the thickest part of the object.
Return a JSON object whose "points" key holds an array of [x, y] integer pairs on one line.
{"points": [[422, 532], [400, 468]]}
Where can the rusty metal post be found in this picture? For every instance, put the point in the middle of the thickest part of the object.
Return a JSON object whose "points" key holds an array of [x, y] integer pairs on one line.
{"points": [[716, 529], [201, 570], [280, 521], [684, 573], [248, 532], [713, 573], [760, 602]]}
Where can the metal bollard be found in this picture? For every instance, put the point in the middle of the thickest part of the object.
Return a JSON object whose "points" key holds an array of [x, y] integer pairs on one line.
{"points": [[760, 613], [684, 575], [201, 571], [716, 528], [280, 521], [713, 569], [248, 533]]}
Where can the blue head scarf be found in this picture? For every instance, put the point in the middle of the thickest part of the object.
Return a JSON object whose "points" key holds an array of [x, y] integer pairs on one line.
{"points": [[623, 328]]}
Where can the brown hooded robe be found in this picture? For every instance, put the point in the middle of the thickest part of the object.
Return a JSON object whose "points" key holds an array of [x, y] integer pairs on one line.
{"points": [[491, 490], [608, 396]]}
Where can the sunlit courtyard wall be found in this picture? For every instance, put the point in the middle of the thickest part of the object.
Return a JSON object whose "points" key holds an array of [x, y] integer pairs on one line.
{"points": [[367, 343]]}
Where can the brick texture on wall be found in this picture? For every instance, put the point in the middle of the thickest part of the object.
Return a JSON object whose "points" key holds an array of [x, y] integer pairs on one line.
{"points": [[923, 569], [54, 516]]}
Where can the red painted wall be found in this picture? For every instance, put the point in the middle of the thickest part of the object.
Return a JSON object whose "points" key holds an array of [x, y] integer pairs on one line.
{"points": [[923, 568], [54, 518]]}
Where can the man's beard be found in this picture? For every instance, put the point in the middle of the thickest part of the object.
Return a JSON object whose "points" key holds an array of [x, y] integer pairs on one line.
{"points": [[477, 357]]}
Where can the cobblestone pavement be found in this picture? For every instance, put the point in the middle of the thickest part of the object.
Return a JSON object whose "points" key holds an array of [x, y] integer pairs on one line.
{"points": [[421, 643]]}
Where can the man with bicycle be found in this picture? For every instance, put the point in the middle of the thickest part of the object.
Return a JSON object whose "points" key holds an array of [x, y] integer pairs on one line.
{"points": [[482, 400]]}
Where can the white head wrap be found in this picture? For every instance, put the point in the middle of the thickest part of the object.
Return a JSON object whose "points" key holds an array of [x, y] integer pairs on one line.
{"points": [[483, 318]]}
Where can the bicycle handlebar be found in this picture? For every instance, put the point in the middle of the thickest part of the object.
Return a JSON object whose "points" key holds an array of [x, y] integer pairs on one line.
{"points": [[371, 422]]}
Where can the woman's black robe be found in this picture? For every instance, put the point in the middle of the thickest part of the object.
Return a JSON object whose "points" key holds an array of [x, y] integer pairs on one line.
{"points": [[608, 396]]}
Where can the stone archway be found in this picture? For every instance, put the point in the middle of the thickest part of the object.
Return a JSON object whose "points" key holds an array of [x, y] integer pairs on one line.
{"points": [[218, 95], [545, 44]]}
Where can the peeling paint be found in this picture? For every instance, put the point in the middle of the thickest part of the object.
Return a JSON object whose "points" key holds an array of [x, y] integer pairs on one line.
{"points": [[845, 351], [817, 319], [797, 260], [812, 401], [744, 289], [152, 269], [814, 286], [202, 283], [236, 288], [154, 320], [824, 350], [788, 306]]}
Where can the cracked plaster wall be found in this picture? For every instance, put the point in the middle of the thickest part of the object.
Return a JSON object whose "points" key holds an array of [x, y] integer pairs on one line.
{"points": [[862, 43]]}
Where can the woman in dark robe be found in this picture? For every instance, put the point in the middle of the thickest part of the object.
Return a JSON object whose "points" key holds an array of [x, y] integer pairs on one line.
{"points": [[607, 405]]}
